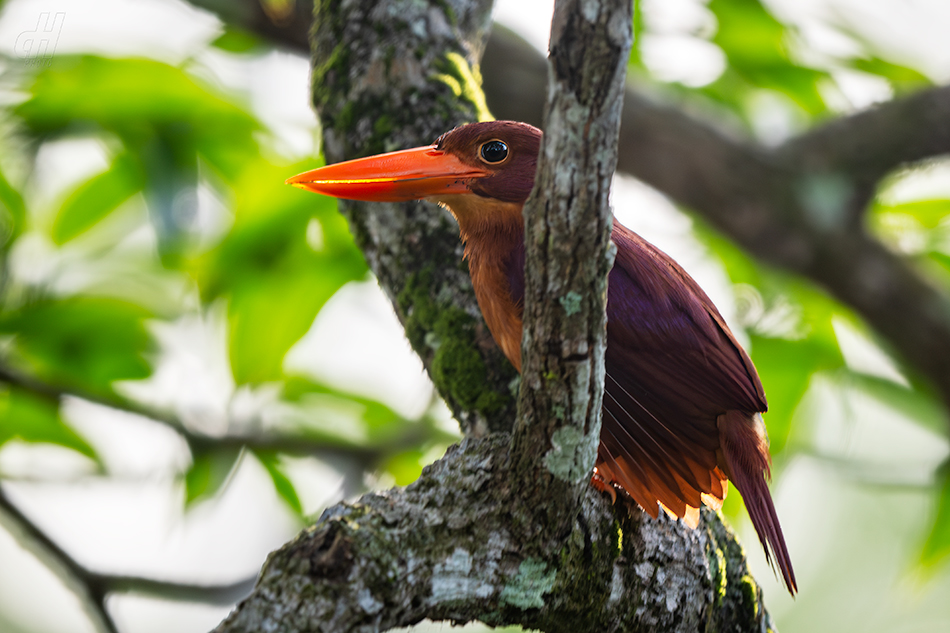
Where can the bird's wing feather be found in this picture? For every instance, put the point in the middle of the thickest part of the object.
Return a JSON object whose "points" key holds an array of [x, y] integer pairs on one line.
{"points": [[657, 310], [673, 366]]}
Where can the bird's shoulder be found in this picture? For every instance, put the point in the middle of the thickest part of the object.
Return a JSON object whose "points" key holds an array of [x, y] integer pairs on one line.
{"points": [[656, 310]]}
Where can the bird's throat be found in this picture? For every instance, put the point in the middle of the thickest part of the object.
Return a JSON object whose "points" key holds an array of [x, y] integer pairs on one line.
{"points": [[493, 232]]}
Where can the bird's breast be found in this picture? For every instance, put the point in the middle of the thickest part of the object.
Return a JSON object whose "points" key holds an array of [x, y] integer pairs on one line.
{"points": [[498, 279]]}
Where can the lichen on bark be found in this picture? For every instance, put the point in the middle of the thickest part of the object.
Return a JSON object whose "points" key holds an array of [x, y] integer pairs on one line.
{"points": [[460, 544]]}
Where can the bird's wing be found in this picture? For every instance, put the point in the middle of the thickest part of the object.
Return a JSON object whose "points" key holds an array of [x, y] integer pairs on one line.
{"points": [[672, 367]]}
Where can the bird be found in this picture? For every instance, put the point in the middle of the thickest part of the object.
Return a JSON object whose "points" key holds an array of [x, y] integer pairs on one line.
{"points": [[683, 403]]}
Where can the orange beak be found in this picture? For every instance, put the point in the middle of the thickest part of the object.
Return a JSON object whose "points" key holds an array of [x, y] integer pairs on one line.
{"points": [[409, 174]]}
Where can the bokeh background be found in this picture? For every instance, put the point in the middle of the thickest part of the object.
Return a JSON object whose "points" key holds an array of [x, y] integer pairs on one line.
{"points": [[194, 358]]}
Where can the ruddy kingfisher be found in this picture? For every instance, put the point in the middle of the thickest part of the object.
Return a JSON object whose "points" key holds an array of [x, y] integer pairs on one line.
{"points": [[683, 403]]}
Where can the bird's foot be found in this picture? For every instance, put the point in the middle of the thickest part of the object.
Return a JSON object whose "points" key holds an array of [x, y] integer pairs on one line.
{"points": [[598, 482]]}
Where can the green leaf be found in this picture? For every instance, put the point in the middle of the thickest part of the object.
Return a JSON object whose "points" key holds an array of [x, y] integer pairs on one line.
{"points": [[921, 229], [12, 212], [282, 484], [903, 78], [636, 58], [750, 36], [275, 280], [383, 425], [236, 40], [937, 545], [929, 213], [269, 233], [210, 471], [405, 467], [786, 368], [71, 90], [282, 285], [83, 341], [157, 100], [34, 419], [942, 260], [918, 405], [270, 313], [756, 47], [96, 198]]}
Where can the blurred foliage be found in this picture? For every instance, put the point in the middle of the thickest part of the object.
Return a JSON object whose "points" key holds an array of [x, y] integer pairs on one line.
{"points": [[210, 470], [277, 255], [274, 258], [766, 57], [80, 341], [32, 418], [756, 46], [937, 547]]}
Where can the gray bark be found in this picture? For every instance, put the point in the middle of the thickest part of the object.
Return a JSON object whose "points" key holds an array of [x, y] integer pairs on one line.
{"points": [[567, 240], [449, 547]]}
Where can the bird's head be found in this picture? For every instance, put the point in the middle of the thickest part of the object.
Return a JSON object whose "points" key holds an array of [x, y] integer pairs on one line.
{"points": [[483, 172]]}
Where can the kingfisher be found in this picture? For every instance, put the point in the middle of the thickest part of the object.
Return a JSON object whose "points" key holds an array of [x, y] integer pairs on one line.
{"points": [[683, 403]]}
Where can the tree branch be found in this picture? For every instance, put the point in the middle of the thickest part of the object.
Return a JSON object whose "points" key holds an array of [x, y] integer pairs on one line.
{"points": [[866, 146], [58, 561], [92, 588], [567, 238], [446, 548], [221, 595], [287, 442]]}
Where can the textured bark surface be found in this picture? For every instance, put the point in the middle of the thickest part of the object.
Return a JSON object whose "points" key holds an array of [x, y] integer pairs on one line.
{"points": [[473, 538], [392, 75], [448, 547], [567, 251]]}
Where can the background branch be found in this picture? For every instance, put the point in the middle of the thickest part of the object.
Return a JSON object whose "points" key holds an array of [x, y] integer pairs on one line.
{"points": [[93, 588], [294, 443], [868, 145]]}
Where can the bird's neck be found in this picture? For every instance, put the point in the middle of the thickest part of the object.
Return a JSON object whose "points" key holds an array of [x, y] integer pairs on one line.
{"points": [[493, 233]]}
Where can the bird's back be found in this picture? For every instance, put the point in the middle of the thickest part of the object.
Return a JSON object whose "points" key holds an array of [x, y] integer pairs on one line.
{"points": [[682, 399]]}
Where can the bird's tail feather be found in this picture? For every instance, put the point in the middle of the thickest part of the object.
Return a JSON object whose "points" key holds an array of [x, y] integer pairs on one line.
{"points": [[746, 454]]}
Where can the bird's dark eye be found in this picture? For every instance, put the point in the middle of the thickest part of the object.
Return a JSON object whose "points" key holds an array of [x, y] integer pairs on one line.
{"points": [[493, 152]]}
